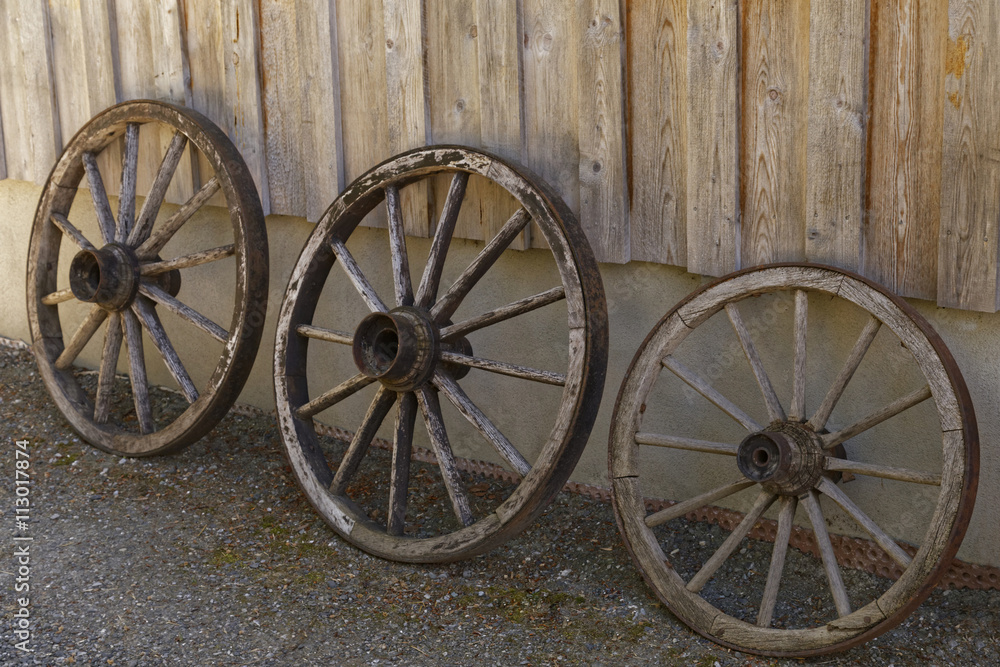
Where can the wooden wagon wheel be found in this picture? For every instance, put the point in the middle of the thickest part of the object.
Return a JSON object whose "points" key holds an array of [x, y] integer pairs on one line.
{"points": [[793, 460], [115, 273], [417, 358]]}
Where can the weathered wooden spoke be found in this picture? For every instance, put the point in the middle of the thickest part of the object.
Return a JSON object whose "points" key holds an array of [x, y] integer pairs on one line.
{"points": [[504, 368], [701, 386], [401, 280], [504, 313], [450, 301], [159, 238], [362, 439], [184, 311], [774, 409], [412, 350], [822, 415], [102, 207], [792, 459], [431, 278], [109, 273], [189, 260], [95, 318], [137, 372], [109, 362], [402, 450], [431, 409]]}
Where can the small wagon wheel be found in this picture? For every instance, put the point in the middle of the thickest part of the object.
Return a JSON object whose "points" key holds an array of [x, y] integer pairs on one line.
{"points": [[826, 483], [124, 272], [420, 352]]}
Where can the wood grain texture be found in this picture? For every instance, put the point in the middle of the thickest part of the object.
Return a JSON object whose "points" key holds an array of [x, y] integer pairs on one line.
{"points": [[712, 133], [774, 84], [363, 91], [657, 123], [551, 93], [604, 204], [319, 75], [837, 135], [904, 146], [69, 65], [242, 59], [970, 188], [206, 50]]}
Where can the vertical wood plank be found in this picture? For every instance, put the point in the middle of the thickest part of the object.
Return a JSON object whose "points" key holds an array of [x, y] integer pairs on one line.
{"points": [[241, 36], [281, 96], [501, 103], [657, 91], [712, 129], [904, 151], [774, 128], [206, 58], [3, 154], [604, 210], [835, 199], [407, 104], [69, 66], [363, 92], [103, 81], [551, 98], [322, 149], [970, 189], [15, 143]]}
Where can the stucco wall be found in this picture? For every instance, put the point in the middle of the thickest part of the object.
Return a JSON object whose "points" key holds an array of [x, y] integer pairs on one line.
{"points": [[638, 295]]}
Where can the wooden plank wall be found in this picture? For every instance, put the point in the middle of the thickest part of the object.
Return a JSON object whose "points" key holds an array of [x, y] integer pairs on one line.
{"points": [[709, 135]]}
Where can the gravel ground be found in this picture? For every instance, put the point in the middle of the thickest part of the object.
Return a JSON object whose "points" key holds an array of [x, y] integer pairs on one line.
{"points": [[213, 556]]}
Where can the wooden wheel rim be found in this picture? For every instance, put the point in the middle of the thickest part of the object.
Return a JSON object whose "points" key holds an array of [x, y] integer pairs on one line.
{"points": [[250, 297], [587, 321], [959, 465]]}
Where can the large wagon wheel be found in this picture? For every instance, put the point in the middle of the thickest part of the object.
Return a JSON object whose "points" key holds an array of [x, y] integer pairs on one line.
{"points": [[417, 358], [130, 269], [795, 459]]}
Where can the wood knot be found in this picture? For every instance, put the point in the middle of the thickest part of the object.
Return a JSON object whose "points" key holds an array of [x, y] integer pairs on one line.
{"points": [[459, 106], [474, 31], [596, 167], [389, 43], [773, 94]]}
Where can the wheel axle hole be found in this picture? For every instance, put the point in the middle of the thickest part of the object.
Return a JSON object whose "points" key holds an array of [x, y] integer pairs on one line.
{"points": [[761, 457], [85, 276], [385, 347]]}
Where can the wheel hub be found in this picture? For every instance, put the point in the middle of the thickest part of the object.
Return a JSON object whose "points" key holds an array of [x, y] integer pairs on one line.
{"points": [[398, 348], [108, 277], [785, 458]]}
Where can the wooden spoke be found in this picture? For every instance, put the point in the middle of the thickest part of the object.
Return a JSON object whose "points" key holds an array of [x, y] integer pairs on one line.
{"points": [[137, 373], [673, 442], [702, 387], [357, 278], [130, 170], [431, 409], [831, 440], [328, 335], [335, 395], [362, 439], [486, 428], [67, 228], [81, 337], [431, 278], [449, 303], [151, 323], [895, 552], [833, 577], [109, 363], [65, 294], [183, 311], [401, 281], [774, 409], [682, 508], [797, 411], [105, 218], [712, 565], [504, 313], [503, 368], [151, 206], [151, 246], [402, 446], [822, 415], [885, 472], [770, 596], [187, 261]]}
